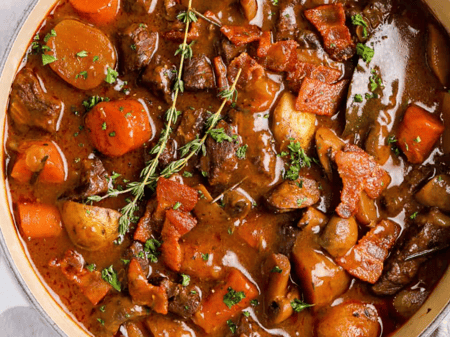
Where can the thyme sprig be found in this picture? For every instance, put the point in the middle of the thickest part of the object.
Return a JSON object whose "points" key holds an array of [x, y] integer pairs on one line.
{"points": [[148, 175]]}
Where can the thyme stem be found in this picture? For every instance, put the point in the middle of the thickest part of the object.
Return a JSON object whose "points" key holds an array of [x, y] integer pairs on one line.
{"points": [[206, 19]]}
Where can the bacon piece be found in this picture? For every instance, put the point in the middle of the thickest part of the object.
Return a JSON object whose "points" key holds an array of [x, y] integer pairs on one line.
{"points": [[265, 42], [240, 35], [221, 73], [177, 33], [320, 98], [169, 192], [177, 224], [144, 227], [359, 172], [365, 260], [301, 70], [90, 283], [418, 133], [330, 22], [282, 56], [144, 293]]}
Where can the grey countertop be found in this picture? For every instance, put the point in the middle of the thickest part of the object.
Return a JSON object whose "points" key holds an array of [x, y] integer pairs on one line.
{"points": [[18, 317]]}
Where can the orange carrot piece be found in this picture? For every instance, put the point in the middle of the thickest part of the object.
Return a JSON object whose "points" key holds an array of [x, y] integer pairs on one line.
{"points": [[169, 192], [240, 35], [38, 220], [98, 11], [144, 293], [214, 312], [177, 224], [330, 22], [71, 38], [118, 127], [43, 158], [365, 260], [320, 98], [417, 134]]}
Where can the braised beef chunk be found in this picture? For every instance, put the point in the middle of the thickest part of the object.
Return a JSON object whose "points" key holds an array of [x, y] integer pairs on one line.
{"points": [[288, 20], [159, 77], [138, 45], [31, 106], [220, 161], [183, 301], [433, 234], [136, 251], [192, 124], [94, 178], [199, 74], [229, 51], [169, 154], [137, 6]]}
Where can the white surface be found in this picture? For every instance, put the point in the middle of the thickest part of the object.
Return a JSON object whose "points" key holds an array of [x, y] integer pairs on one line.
{"points": [[18, 318]]}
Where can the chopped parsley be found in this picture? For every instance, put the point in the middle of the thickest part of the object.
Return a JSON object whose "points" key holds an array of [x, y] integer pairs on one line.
{"points": [[91, 267], [47, 59], [186, 279], [205, 257], [232, 326], [219, 135], [111, 76], [301, 201], [298, 159], [104, 126], [102, 322], [187, 174], [50, 35], [82, 53], [233, 297], [242, 151], [365, 52], [93, 101], [112, 134], [358, 20], [177, 205], [151, 248], [102, 308], [417, 139], [358, 98], [254, 303], [276, 269], [414, 215], [246, 313], [110, 276], [96, 58], [298, 305], [83, 74]]}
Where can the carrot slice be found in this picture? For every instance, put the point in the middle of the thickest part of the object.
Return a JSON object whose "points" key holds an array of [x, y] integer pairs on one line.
{"points": [[320, 98], [169, 192], [216, 309], [43, 158], [38, 220], [418, 133], [98, 11], [83, 54], [118, 127]]}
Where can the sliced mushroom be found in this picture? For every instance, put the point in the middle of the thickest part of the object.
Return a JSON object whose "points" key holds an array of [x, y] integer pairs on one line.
{"points": [[250, 8], [376, 143], [313, 217], [436, 193], [438, 54], [366, 213], [90, 227], [237, 205], [327, 144], [339, 236]]}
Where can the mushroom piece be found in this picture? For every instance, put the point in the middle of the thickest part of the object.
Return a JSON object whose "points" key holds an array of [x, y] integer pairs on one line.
{"points": [[366, 213], [436, 193], [327, 144], [280, 292], [313, 217], [237, 205], [90, 227], [250, 8], [438, 52], [339, 236]]}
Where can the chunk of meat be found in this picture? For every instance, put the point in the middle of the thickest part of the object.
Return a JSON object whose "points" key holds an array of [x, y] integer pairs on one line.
{"points": [[301, 70], [170, 192], [241, 35], [136, 251], [177, 224], [339, 236], [350, 319], [199, 74], [292, 195], [220, 161], [256, 90], [436, 193], [289, 124], [328, 144], [90, 283], [138, 44], [280, 292], [169, 154], [93, 178], [359, 172], [148, 223], [289, 20], [159, 77], [144, 293], [417, 134], [137, 6], [215, 311], [365, 260], [229, 51], [402, 267], [178, 31], [330, 22], [282, 56], [160, 325], [191, 124], [319, 97], [183, 301], [321, 279], [31, 106]]}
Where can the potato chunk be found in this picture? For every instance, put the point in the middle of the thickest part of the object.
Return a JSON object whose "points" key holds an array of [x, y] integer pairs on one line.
{"points": [[290, 123], [436, 193], [90, 227]]}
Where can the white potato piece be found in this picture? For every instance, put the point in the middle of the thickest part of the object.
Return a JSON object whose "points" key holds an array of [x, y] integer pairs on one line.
{"points": [[289, 123], [90, 227]]}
